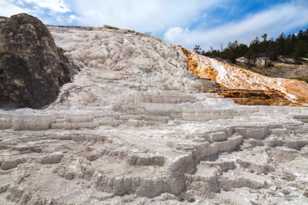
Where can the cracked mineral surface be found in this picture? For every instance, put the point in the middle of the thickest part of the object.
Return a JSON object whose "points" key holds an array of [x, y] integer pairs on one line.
{"points": [[134, 127]]}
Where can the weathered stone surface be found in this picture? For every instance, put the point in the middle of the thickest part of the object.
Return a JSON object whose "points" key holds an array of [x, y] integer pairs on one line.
{"points": [[306, 193], [204, 181], [134, 128], [137, 160], [11, 163], [255, 168], [255, 97], [218, 136], [53, 158], [4, 188], [258, 133], [32, 67]]}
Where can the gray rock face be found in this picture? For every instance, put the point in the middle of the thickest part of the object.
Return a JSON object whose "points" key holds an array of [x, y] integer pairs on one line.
{"points": [[32, 67]]}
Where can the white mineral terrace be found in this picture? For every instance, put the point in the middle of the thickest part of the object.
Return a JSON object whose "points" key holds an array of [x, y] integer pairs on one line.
{"points": [[134, 129]]}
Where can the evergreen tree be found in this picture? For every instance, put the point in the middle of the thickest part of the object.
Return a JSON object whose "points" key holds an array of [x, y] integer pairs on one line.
{"points": [[198, 49], [293, 45]]}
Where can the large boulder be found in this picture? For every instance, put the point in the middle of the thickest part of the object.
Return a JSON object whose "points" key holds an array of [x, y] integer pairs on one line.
{"points": [[32, 67]]}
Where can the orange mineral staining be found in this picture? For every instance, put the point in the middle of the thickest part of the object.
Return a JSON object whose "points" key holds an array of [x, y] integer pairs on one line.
{"points": [[246, 87]]}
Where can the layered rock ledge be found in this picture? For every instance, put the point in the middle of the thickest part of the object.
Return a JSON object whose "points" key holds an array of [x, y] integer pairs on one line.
{"points": [[136, 127]]}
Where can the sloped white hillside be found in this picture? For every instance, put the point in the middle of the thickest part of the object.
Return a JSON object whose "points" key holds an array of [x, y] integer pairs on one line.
{"points": [[236, 78], [116, 63], [134, 127]]}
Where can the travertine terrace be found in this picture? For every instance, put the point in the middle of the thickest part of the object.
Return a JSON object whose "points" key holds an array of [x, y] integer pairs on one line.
{"points": [[134, 128], [232, 77]]}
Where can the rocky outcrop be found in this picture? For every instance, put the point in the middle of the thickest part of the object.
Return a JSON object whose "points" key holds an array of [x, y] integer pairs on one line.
{"points": [[260, 62], [263, 62], [32, 67], [255, 97], [242, 61], [287, 60]]}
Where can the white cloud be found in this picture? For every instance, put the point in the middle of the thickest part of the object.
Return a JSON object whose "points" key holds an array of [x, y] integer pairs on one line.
{"points": [[49, 11], [142, 15], [11, 7], [172, 18], [53, 5], [8, 9], [277, 19]]}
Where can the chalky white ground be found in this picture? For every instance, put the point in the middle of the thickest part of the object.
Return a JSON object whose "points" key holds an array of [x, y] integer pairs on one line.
{"points": [[133, 128]]}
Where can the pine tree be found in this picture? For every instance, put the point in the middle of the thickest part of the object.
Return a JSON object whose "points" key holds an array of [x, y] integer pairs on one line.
{"points": [[198, 49], [293, 45]]}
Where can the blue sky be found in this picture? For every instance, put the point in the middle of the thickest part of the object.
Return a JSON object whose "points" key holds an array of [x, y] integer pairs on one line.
{"points": [[209, 23]]}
